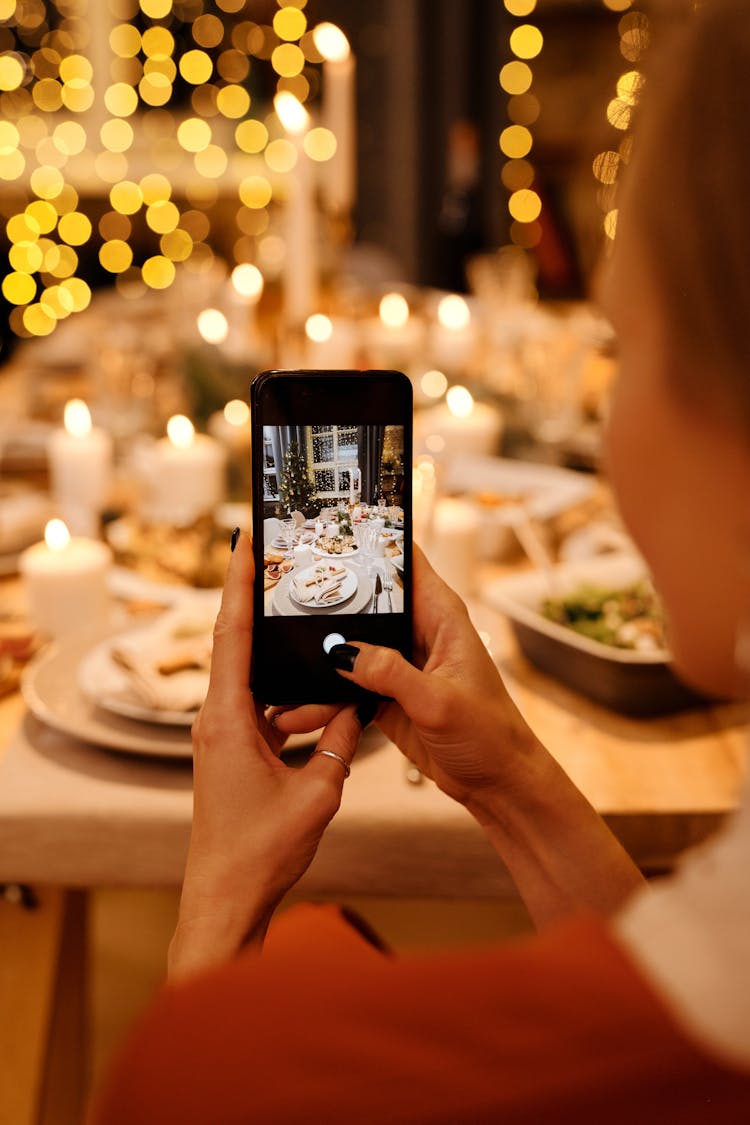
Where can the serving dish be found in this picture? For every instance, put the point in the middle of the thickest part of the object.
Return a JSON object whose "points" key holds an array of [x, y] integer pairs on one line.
{"points": [[636, 683]]}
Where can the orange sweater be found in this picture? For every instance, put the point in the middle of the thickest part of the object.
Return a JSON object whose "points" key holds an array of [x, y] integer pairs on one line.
{"points": [[325, 1030]]}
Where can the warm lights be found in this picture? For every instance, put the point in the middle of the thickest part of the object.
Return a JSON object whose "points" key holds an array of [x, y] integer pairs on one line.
{"points": [[460, 401], [433, 384], [453, 312], [213, 326], [53, 136], [237, 412], [247, 280], [394, 310], [318, 328], [56, 535], [77, 418], [516, 140], [180, 431]]}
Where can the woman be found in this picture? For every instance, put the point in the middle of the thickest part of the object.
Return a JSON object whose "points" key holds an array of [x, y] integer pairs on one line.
{"points": [[633, 1003]]}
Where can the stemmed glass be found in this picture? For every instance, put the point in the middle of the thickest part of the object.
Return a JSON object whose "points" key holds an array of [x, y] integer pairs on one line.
{"points": [[368, 538], [288, 530]]}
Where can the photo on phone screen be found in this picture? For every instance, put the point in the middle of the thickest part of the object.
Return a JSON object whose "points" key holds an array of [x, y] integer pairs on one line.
{"points": [[331, 525]]}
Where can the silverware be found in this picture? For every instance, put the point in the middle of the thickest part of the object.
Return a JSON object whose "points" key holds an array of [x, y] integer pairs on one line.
{"points": [[388, 582], [376, 594]]}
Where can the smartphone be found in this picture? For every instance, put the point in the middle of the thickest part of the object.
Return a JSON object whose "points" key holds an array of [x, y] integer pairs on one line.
{"points": [[332, 526]]}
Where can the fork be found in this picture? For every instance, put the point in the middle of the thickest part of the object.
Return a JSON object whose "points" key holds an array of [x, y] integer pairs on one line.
{"points": [[388, 582]]}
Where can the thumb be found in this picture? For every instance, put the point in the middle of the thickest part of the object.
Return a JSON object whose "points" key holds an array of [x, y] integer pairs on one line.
{"points": [[386, 672]]}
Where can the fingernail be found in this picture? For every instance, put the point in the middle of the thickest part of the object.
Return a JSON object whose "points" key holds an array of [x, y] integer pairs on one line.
{"points": [[235, 537], [365, 712], [343, 657]]}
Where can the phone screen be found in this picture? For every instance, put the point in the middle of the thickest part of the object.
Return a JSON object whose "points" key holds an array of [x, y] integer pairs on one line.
{"points": [[332, 522]]}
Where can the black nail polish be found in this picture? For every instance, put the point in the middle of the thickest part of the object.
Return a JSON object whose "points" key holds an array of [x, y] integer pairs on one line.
{"points": [[365, 712], [343, 657], [235, 537]]}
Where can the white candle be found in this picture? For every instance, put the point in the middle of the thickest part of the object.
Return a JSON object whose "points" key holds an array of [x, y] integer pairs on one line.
{"points": [[64, 581], [331, 343], [185, 474], [339, 115], [458, 426], [395, 336], [243, 293], [80, 464], [453, 339], [300, 281], [231, 426], [452, 544]]}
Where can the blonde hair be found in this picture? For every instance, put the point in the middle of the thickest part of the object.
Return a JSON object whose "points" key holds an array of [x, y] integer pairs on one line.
{"points": [[687, 195]]}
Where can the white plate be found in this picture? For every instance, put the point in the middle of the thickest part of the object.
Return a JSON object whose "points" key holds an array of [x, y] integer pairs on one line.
{"points": [[51, 692], [110, 686], [283, 606], [353, 550], [347, 589]]}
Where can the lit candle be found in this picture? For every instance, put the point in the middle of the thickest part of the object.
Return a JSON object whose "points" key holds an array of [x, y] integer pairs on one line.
{"points": [[458, 426], [300, 282], [244, 291], [395, 336], [451, 545], [65, 581], [339, 115], [185, 474], [231, 426], [453, 339], [80, 463], [330, 344]]}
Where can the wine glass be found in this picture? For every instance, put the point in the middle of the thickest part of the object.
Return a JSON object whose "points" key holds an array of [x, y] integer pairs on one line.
{"points": [[288, 531]]}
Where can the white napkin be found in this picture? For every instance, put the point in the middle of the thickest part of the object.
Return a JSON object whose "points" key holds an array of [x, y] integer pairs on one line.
{"points": [[327, 591]]}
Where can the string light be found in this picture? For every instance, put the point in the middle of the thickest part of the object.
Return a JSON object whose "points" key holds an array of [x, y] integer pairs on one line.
{"points": [[635, 36], [205, 50], [516, 140]]}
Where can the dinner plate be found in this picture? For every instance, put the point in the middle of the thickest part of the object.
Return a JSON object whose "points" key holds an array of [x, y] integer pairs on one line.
{"points": [[50, 690], [106, 684], [283, 606], [347, 588], [353, 550]]}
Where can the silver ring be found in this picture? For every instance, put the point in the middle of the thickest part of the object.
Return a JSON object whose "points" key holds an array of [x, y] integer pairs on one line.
{"points": [[338, 757]]}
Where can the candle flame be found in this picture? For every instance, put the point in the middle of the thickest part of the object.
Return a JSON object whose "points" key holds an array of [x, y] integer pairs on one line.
{"points": [[318, 328], [180, 431], [291, 112], [248, 281], [76, 417], [453, 312], [331, 42], [237, 412], [213, 326], [56, 535], [460, 402], [394, 310]]}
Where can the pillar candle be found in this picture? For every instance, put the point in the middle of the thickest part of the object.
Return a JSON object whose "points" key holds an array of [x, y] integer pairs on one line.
{"points": [[64, 581], [339, 115], [185, 474], [80, 464]]}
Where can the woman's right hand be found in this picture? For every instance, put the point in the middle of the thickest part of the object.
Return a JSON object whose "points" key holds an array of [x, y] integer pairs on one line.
{"points": [[451, 715]]}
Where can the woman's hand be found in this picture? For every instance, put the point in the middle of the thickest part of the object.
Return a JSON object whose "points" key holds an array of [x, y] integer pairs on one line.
{"points": [[454, 719], [450, 715], [256, 822]]}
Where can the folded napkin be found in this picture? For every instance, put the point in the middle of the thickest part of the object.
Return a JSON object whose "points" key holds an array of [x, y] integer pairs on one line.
{"points": [[318, 594], [175, 679]]}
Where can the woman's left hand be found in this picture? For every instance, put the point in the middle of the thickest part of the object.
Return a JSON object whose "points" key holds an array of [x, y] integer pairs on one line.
{"points": [[257, 823]]}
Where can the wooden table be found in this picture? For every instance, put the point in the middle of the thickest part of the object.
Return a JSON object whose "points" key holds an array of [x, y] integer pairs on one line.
{"points": [[74, 816]]}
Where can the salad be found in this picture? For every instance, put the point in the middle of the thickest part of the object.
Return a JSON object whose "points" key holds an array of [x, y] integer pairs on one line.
{"points": [[631, 617]]}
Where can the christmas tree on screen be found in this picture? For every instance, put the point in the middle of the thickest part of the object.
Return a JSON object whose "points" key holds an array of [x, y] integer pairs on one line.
{"points": [[296, 490]]}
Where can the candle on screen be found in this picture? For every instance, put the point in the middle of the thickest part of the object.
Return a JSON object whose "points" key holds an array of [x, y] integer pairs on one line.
{"points": [[65, 581], [80, 463], [339, 115], [300, 282], [186, 474]]}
